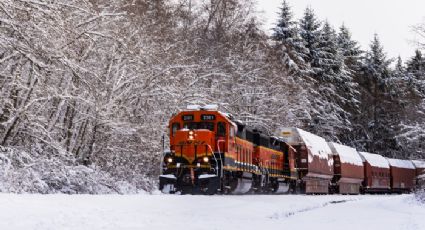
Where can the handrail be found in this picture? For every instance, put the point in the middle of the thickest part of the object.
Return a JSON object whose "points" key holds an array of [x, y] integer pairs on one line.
{"points": [[219, 152], [216, 163], [161, 163], [161, 158]]}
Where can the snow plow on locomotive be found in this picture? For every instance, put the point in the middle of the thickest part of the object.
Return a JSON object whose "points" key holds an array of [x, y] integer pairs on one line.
{"points": [[211, 152]]}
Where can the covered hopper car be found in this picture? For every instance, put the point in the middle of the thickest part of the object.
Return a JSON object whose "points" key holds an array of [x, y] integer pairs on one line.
{"points": [[377, 173], [403, 175], [348, 169], [314, 161], [420, 172]]}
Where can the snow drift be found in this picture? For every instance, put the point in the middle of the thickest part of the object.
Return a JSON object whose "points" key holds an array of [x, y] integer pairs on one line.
{"points": [[23, 172]]}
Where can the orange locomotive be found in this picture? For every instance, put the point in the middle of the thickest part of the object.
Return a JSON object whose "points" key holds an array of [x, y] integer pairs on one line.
{"points": [[211, 152]]}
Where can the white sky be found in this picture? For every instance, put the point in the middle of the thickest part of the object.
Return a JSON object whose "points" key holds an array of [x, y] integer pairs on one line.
{"points": [[390, 19]]}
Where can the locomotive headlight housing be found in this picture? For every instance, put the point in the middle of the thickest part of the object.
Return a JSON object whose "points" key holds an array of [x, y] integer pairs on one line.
{"points": [[191, 135], [169, 160], [205, 159]]}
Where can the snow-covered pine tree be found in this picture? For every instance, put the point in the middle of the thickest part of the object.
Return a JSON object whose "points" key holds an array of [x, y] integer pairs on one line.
{"points": [[328, 61], [378, 110], [310, 33], [350, 49], [416, 65], [412, 134], [284, 30], [351, 54], [333, 91], [289, 45]]}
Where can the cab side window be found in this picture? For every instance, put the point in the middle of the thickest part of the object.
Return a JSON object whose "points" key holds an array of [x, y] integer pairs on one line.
{"points": [[221, 129], [175, 127]]}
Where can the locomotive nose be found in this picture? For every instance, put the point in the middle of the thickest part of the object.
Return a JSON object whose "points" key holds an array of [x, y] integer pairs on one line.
{"points": [[194, 145]]}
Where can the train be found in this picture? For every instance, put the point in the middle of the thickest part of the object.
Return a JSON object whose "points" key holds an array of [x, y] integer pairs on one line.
{"points": [[211, 152]]}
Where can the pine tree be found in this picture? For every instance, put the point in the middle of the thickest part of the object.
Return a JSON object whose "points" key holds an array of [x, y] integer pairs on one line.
{"points": [[376, 67], [327, 59], [310, 33], [289, 45], [416, 65], [284, 30], [378, 109], [349, 49], [412, 133], [399, 85], [399, 68], [334, 91]]}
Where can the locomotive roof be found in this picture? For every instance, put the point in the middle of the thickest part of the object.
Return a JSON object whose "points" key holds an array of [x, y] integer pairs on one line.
{"points": [[375, 160], [346, 154], [401, 163], [228, 116]]}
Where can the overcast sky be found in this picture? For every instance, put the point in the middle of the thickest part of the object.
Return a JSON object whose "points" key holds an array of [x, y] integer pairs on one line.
{"points": [[390, 19]]}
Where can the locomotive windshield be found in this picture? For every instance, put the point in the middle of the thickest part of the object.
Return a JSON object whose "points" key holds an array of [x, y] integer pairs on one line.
{"points": [[199, 125]]}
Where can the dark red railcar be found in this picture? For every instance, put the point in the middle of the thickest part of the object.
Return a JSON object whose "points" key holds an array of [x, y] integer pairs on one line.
{"points": [[377, 173], [313, 160], [420, 172], [403, 175], [420, 166], [348, 169]]}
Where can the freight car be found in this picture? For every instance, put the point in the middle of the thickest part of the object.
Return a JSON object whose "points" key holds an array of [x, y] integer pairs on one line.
{"points": [[314, 161], [377, 173], [348, 170], [403, 175], [420, 172], [212, 152]]}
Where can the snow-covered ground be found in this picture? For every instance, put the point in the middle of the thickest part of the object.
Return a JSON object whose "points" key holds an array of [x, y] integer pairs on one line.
{"points": [[209, 212]]}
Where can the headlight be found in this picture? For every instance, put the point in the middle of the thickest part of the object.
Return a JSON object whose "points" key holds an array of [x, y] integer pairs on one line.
{"points": [[191, 136], [170, 160], [206, 159]]}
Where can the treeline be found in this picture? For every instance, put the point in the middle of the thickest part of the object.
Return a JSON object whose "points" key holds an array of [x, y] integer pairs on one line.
{"points": [[94, 82], [356, 96]]}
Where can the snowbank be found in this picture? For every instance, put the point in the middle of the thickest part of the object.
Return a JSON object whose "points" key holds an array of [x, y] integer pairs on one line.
{"points": [[346, 154], [420, 195], [22, 172], [111, 212]]}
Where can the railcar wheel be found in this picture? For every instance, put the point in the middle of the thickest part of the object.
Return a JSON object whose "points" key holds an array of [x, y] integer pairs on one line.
{"points": [[242, 184], [211, 186], [281, 188]]}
